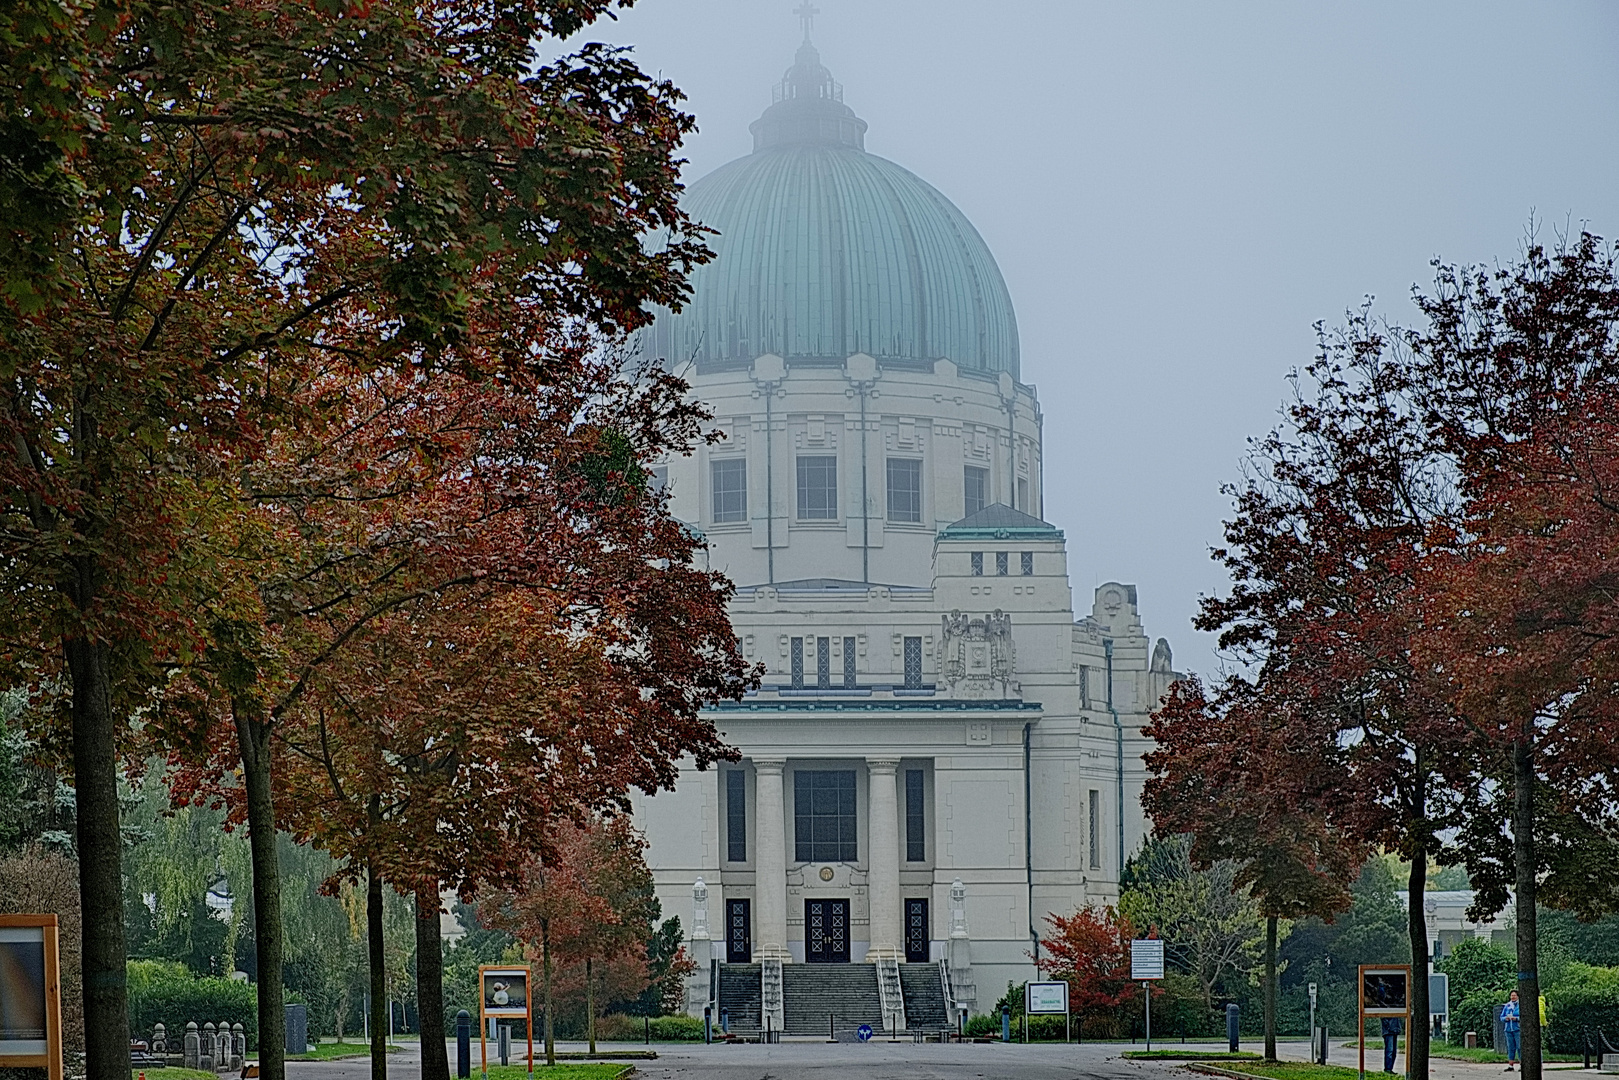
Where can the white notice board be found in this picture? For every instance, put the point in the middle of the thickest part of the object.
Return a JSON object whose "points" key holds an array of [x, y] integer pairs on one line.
{"points": [[1147, 958], [1045, 998]]}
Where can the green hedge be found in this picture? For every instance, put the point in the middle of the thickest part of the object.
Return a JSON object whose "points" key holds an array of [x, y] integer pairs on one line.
{"points": [[677, 1028], [1476, 1012], [164, 992], [1585, 998]]}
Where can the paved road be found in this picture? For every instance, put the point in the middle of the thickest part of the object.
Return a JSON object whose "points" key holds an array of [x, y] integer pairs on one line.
{"points": [[880, 1060]]}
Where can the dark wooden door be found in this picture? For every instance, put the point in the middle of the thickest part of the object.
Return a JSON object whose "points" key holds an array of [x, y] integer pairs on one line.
{"points": [[917, 936], [739, 931], [826, 931]]}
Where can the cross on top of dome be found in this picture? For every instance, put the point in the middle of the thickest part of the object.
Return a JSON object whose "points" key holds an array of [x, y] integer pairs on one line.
{"points": [[806, 13]]}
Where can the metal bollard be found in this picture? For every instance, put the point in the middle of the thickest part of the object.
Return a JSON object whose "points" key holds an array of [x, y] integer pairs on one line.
{"points": [[505, 1043], [708, 1024], [1006, 1024], [1231, 1017], [463, 1044]]}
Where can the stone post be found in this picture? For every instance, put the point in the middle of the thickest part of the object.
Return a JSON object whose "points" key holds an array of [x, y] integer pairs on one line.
{"points": [[192, 1050], [160, 1040], [222, 1057], [698, 991], [208, 1047], [770, 877], [960, 956], [238, 1035], [883, 856]]}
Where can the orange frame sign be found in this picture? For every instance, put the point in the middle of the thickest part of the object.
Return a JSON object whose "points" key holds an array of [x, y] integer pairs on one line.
{"points": [[1385, 991], [503, 991], [30, 994]]}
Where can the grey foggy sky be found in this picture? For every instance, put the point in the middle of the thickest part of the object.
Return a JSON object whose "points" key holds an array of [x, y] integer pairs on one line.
{"points": [[1176, 192]]}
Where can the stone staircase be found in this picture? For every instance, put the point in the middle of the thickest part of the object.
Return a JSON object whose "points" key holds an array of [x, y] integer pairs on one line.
{"points": [[847, 992], [925, 1007], [739, 998]]}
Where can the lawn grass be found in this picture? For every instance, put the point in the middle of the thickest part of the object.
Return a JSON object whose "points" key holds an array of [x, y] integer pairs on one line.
{"points": [[333, 1051], [1295, 1070], [171, 1074], [1189, 1055], [562, 1070]]}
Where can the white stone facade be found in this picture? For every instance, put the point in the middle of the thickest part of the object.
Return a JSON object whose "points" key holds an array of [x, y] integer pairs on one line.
{"points": [[924, 666]]}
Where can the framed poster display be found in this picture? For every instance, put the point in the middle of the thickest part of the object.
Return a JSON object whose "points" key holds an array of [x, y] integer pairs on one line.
{"points": [[30, 994], [503, 993], [1385, 992]]}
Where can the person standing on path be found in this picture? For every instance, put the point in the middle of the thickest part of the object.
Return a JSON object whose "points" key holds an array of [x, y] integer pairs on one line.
{"points": [[1393, 1028], [1509, 1025]]}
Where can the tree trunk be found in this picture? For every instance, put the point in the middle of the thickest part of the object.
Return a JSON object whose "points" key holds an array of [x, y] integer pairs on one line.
{"points": [[590, 1006], [100, 841], [545, 983], [1526, 863], [379, 975], [1417, 1031], [1270, 988], [430, 984], [253, 743]]}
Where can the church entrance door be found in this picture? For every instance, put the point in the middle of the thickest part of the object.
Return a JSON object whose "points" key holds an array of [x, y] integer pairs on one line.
{"points": [[917, 931], [826, 931], [738, 931]]}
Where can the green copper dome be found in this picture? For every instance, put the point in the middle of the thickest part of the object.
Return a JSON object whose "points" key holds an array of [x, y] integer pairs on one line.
{"points": [[825, 250]]}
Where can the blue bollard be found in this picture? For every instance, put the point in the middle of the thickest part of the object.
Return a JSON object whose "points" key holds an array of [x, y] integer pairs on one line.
{"points": [[463, 1044], [1231, 1025], [1006, 1024]]}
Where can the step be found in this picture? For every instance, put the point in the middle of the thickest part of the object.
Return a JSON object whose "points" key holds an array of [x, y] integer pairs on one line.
{"points": [[811, 993], [739, 995], [925, 1007]]}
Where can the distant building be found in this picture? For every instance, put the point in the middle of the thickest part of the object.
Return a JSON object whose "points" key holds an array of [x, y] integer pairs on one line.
{"points": [[935, 713]]}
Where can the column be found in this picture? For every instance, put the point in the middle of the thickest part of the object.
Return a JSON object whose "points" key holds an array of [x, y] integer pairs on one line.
{"points": [[883, 836], [770, 863]]}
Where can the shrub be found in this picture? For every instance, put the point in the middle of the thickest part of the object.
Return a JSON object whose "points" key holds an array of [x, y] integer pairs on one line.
{"points": [[1476, 964], [165, 992], [1587, 998], [981, 1025], [1477, 1012], [1047, 1029], [677, 1028]]}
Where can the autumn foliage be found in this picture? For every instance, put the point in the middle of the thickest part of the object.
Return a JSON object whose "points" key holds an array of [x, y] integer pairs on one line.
{"points": [[1090, 951]]}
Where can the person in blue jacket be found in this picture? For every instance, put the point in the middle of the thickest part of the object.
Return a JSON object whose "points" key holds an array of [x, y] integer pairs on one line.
{"points": [[1509, 1024], [1393, 1028]]}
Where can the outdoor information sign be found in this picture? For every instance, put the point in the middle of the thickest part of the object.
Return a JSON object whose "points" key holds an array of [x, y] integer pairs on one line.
{"points": [[1146, 964], [30, 994], [1047, 999], [503, 992], [1385, 992]]}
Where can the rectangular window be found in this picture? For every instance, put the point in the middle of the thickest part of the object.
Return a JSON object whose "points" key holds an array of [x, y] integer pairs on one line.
{"points": [[797, 661], [729, 478], [904, 489], [1096, 829], [1002, 564], [658, 479], [736, 815], [1023, 496], [1028, 563], [916, 842], [818, 488], [978, 564], [823, 663], [824, 816], [913, 663], [848, 664], [975, 489]]}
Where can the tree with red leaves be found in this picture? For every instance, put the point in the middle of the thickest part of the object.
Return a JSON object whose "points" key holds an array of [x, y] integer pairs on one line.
{"points": [[194, 193], [1090, 951], [588, 902], [1227, 774]]}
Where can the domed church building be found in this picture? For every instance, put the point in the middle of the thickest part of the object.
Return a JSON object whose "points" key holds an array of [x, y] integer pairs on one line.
{"points": [[943, 751]]}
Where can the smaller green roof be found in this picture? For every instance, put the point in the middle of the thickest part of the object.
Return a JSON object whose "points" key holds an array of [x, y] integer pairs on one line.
{"points": [[997, 521]]}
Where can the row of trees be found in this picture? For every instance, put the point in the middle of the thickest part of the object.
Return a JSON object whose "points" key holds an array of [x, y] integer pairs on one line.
{"points": [[322, 480], [1423, 614]]}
